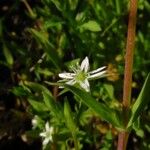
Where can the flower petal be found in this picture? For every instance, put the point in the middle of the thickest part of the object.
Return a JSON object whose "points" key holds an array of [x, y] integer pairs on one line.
{"points": [[45, 141], [85, 64], [97, 75], [51, 130], [66, 75], [34, 121], [97, 70], [47, 126], [85, 85], [43, 134], [71, 82]]}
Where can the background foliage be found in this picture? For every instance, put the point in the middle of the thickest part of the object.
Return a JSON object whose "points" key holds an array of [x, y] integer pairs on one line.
{"points": [[40, 38]]}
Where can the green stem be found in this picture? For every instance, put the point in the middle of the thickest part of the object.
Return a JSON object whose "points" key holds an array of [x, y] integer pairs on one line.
{"points": [[76, 145], [32, 14], [123, 136]]}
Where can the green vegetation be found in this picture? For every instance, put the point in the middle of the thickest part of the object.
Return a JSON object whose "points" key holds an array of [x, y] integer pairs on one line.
{"points": [[40, 39]]}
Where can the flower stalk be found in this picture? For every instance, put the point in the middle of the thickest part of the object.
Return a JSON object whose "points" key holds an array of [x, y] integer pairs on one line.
{"points": [[123, 136]]}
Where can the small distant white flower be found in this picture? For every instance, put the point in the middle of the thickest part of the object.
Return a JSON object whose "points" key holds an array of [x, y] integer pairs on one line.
{"points": [[47, 134], [35, 121], [81, 75]]}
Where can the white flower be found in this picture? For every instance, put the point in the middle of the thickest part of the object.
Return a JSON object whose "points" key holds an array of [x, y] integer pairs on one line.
{"points": [[47, 134], [81, 75], [35, 121]]}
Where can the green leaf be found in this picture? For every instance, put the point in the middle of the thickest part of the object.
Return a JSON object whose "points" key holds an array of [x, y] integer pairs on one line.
{"points": [[70, 123], [84, 116], [69, 117], [141, 102], [37, 87], [8, 55], [50, 24], [20, 91], [137, 128], [118, 9], [52, 105], [57, 4], [101, 109], [42, 38], [73, 4], [91, 26], [38, 106], [49, 101], [45, 72], [110, 91], [1, 28]]}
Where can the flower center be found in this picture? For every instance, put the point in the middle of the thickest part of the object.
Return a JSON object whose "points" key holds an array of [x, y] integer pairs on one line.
{"points": [[48, 134], [80, 76]]}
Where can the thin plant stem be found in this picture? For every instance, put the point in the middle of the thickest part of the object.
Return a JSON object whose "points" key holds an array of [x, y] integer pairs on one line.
{"points": [[123, 136], [29, 9], [76, 145]]}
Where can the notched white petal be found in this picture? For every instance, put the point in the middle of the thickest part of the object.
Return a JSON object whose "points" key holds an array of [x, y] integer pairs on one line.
{"points": [[85, 85], [97, 70], [47, 126], [85, 64], [45, 142], [97, 75], [43, 134], [51, 130], [66, 75], [71, 82]]}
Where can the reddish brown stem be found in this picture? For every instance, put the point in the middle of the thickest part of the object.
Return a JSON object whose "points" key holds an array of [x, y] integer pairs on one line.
{"points": [[122, 140], [129, 53], [55, 92], [123, 136]]}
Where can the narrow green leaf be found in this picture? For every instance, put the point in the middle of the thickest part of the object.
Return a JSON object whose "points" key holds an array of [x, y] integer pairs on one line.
{"points": [[45, 72], [38, 106], [137, 128], [20, 91], [84, 116], [142, 100], [91, 26], [53, 56], [50, 24], [69, 117], [42, 38], [118, 9], [101, 109], [8, 55], [70, 123], [48, 99], [147, 5], [57, 4], [110, 91], [1, 28], [38, 87], [73, 4], [52, 105]]}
